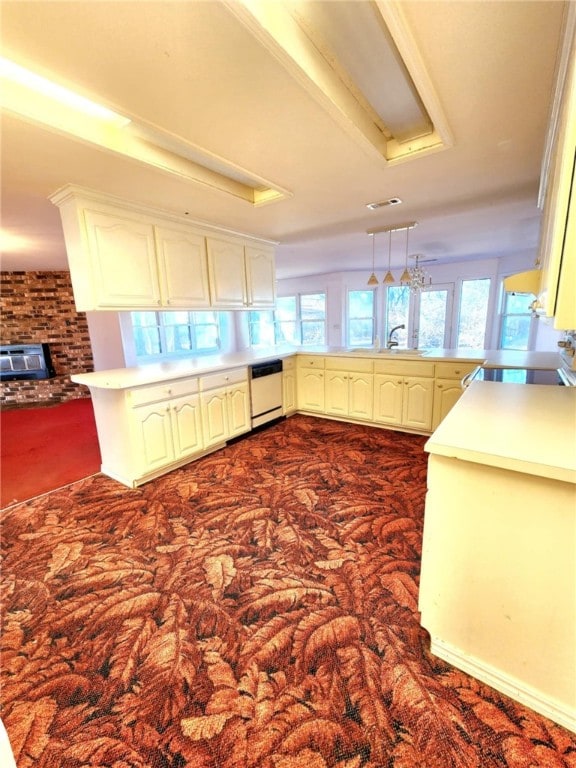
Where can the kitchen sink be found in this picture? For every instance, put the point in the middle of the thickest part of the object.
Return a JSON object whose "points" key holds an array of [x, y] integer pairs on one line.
{"points": [[393, 351]]}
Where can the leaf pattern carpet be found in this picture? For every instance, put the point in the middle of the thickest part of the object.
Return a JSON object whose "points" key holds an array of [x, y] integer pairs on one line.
{"points": [[257, 608]]}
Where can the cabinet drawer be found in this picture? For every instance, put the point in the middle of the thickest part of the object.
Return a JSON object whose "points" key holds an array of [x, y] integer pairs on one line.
{"points": [[454, 370], [404, 367], [223, 379], [165, 391], [310, 361], [288, 364], [350, 364]]}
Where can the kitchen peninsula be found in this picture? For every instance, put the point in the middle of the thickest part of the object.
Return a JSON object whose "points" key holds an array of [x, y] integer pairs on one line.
{"points": [[498, 580], [156, 417]]}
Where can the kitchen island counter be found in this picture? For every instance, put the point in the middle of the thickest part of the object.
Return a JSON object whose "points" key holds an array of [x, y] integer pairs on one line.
{"points": [[497, 585], [526, 428]]}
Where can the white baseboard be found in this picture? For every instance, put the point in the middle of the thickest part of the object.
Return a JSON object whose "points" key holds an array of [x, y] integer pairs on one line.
{"points": [[559, 712]]}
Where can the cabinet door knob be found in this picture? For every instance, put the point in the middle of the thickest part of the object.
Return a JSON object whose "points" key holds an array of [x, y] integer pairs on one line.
{"points": [[440, 386], [457, 371]]}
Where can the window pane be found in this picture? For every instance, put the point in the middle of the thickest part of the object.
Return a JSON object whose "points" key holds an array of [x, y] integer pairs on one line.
{"points": [[473, 313], [287, 333], [360, 318], [146, 340], [144, 318], [516, 321], [313, 332], [285, 316], [261, 328], [313, 306], [397, 308], [515, 331], [432, 321]]}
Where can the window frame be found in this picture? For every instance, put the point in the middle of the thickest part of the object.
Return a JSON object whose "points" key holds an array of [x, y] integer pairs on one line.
{"points": [[193, 324]]}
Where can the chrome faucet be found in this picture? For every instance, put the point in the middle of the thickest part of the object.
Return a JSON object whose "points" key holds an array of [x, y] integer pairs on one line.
{"points": [[392, 342]]}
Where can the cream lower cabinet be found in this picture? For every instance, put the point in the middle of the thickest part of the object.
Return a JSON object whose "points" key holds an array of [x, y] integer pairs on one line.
{"points": [[289, 386], [310, 383], [167, 431], [225, 401], [404, 393], [348, 388], [146, 431], [448, 388]]}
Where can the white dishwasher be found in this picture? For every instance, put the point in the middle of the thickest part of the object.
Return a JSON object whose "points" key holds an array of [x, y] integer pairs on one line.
{"points": [[265, 392]]}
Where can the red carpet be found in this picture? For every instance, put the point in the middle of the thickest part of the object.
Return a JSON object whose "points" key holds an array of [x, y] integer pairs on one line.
{"points": [[45, 448], [254, 609]]}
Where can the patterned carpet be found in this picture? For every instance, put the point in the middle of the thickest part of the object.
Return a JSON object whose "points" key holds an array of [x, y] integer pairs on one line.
{"points": [[257, 608]]}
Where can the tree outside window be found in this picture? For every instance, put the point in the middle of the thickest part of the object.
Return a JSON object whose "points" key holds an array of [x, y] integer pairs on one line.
{"points": [[473, 313], [360, 318]]}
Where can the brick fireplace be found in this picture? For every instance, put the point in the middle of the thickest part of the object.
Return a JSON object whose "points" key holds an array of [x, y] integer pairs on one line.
{"points": [[38, 307]]}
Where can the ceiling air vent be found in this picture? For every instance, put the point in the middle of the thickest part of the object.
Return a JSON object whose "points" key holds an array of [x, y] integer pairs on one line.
{"points": [[384, 203]]}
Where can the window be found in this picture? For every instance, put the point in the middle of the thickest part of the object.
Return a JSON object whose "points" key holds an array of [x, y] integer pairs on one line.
{"points": [[433, 330], [313, 318], [397, 313], [175, 333], [296, 320], [360, 330], [473, 313], [516, 321]]}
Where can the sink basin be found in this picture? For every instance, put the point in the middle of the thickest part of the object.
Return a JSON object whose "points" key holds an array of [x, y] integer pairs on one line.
{"points": [[393, 351]]}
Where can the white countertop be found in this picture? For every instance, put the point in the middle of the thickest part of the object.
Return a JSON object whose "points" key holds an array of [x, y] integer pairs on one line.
{"points": [[524, 428], [152, 373]]}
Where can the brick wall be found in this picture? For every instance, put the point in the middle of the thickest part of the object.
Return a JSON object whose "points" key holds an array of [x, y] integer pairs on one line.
{"points": [[39, 307]]}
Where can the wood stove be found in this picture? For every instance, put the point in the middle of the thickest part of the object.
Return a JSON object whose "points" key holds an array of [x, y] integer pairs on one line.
{"points": [[25, 361]]}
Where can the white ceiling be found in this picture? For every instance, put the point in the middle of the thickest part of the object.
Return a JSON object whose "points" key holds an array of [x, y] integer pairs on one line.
{"points": [[197, 71]]}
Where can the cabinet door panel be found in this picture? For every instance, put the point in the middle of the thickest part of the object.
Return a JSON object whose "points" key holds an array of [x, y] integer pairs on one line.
{"points": [[238, 410], [153, 436], [260, 276], [417, 403], [187, 426], [183, 268], [227, 273], [289, 391], [447, 392], [336, 393], [310, 385], [123, 261], [214, 417], [387, 399], [361, 396]]}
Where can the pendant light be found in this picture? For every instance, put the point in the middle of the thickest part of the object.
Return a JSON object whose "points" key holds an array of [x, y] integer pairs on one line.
{"points": [[405, 277], [389, 277], [373, 280]]}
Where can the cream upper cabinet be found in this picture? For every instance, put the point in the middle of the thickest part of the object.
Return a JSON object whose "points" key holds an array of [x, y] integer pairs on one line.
{"points": [[227, 273], [122, 256], [240, 276], [183, 268], [558, 229], [260, 276]]}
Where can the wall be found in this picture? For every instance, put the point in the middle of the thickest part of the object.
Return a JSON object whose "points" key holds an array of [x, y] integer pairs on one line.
{"points": [[39, 307]]}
